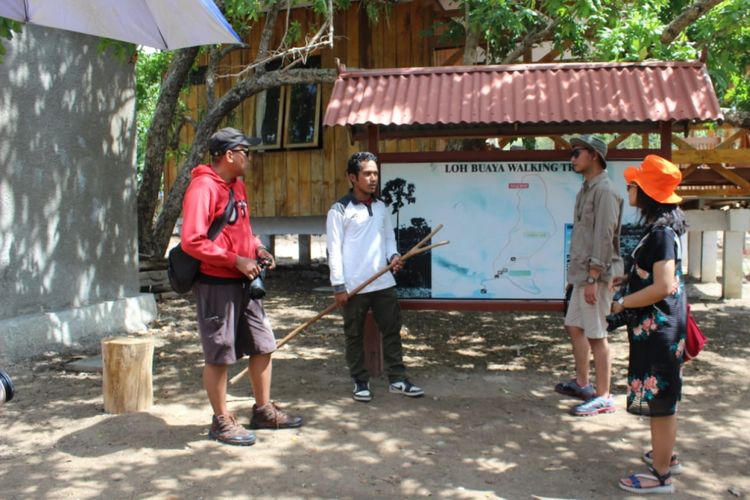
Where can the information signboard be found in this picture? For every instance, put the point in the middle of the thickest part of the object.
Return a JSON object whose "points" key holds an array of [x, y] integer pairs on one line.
{"points": [[509, 226]]}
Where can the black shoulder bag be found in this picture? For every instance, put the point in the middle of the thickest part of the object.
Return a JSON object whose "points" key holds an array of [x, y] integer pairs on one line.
{"points": [[183, 268]]}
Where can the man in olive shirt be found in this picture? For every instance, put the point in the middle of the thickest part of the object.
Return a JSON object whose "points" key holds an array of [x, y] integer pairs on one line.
{"points": [[594, 261]]}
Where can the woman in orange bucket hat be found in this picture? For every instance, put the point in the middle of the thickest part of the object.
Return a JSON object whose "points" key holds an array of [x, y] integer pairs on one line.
{"points": [[655, 305]]}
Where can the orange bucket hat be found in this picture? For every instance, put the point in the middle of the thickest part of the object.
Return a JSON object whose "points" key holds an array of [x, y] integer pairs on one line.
{"points": [[657, 177]]}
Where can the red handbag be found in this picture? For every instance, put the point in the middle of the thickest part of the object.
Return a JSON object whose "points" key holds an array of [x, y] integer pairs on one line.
{"points": [[694, 340]]}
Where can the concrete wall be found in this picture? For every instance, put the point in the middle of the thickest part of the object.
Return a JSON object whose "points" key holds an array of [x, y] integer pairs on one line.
{"points": [[68, 240]]}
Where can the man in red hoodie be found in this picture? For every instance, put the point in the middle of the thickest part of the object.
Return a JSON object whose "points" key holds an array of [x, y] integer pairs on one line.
{"points": [[231, 321]]}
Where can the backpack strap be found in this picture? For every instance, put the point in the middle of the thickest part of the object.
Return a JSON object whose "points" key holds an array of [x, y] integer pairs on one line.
{"points": [[218, 224]]}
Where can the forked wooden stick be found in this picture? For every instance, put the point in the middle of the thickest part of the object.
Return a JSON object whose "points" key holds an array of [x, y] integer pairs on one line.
{"points": [[415, 250]]}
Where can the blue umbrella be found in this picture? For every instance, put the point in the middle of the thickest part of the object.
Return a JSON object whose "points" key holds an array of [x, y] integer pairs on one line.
{"points": [[162, 24]]}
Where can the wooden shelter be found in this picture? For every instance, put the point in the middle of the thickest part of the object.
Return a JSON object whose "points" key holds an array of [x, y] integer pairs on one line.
{"points": [[531, 100], [293, 181]]}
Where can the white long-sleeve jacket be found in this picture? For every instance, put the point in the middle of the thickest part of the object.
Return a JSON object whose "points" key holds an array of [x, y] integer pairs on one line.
{"points": [[360, 242]]}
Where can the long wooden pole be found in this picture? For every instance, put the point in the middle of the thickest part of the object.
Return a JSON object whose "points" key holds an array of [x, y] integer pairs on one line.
{"points": [[415, 250]]}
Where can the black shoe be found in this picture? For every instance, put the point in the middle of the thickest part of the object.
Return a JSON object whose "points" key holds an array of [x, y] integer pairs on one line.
{"points": [[362, 391]]}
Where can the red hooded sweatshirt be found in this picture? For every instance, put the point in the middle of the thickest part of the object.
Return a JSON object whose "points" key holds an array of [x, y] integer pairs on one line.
{"points": [[205, 200]]}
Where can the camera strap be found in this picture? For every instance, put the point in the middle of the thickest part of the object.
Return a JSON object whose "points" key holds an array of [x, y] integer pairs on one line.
{"points": [[677, 242], [218, 224]]}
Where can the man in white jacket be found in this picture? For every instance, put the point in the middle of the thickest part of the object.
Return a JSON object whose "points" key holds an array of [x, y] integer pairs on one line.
{"points": [[360, 242]]}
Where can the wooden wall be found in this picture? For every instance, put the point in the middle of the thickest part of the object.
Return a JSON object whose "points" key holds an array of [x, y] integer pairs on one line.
{"points": [[304, 182]]}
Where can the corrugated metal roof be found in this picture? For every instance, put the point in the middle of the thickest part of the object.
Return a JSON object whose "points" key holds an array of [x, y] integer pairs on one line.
{"points": [[524, 94]]}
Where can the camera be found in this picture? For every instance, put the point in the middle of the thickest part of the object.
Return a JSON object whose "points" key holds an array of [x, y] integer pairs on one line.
{"points": [[622, 318], [6, 387], [257, 287], [615, 321]]}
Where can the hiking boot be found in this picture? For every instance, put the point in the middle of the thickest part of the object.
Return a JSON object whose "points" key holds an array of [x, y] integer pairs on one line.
{"points": [[270, 416], [406, 388], [225, 429], [595, 406], [362, 391], [571, 388]]}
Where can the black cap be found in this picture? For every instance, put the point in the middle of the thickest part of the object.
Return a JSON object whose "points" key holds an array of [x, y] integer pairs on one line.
{"points": [[229, 138]]}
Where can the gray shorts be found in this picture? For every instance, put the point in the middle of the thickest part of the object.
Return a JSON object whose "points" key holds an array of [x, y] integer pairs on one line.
{"points": [[231, 324], [590, 317]]}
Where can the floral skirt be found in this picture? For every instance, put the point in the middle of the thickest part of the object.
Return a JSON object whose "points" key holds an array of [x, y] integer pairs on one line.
{"points": [[654, 370]]}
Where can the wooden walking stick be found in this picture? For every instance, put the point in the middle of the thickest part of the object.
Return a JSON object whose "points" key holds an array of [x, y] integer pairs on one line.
{"points": [[415, 250]]}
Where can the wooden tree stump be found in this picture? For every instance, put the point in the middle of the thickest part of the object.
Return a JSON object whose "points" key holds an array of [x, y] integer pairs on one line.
{"points": [[126, 374]]}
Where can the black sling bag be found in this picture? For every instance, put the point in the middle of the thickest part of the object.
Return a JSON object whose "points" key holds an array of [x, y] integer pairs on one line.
{"points": [[183, 268]]}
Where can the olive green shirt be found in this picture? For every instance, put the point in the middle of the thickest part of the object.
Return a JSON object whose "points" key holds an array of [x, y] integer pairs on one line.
{"points": [[595, 241]]}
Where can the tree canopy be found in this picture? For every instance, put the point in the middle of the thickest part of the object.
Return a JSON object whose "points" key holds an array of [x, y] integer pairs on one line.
{"points": [[503, 31], [616, 30]]}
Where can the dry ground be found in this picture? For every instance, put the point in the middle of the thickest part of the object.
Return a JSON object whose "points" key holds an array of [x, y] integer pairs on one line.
{"points": [[490, 426]]}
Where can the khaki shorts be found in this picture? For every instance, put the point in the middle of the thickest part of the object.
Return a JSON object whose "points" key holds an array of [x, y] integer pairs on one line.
{"points": [[590, 317], [231, 324]]}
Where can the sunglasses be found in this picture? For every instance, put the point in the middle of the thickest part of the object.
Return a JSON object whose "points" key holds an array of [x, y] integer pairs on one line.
{"points": [[634, 186], [577, 152]]}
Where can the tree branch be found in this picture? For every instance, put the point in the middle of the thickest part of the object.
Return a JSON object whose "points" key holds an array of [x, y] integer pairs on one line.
{"points": [[686, 18], [224, 105], [530, 39]]}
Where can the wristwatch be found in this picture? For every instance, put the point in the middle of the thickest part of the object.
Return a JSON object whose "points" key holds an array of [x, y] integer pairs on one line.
{"points": [[590, 280], [621, 301]]}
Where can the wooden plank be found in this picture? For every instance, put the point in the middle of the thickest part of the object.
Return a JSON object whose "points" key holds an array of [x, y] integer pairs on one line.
{"points": [[291, 168], [318, 204], [730, 176], [351, 31], [305, 187], [277, 181], [689, 171], [340, 157], [268, 200], [618, 140], [681, 143], [404, 31], [377, 43], [390, 38], [729, 141], [730, 156], [712, 192], [255, 186]]}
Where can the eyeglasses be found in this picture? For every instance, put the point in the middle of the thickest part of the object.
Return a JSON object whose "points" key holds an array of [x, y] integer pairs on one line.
{"points": [[634, 186], [577, 152], [245, 151]]}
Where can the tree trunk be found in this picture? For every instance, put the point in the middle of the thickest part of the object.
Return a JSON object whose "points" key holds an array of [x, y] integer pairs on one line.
{"points": [[173, 203], [156, 147], [126, 374]]}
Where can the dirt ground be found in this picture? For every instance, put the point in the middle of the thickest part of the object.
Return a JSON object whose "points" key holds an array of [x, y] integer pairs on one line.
{"points": [[490, 425]]}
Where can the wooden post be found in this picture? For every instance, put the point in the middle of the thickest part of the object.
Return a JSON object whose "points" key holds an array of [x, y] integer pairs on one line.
{"points": [[372, 344], [126, 374], [305, 250]]}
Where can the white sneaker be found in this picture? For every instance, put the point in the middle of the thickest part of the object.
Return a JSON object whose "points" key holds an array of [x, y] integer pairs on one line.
{"points": [[362, 391], [406, 388]]}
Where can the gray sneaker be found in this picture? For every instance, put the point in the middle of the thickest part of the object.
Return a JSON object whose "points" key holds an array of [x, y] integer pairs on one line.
{"points": [[571, 388], [595, 406]]}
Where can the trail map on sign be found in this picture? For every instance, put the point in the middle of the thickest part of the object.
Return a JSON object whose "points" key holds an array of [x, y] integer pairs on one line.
{"points": [[508, 224]]}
